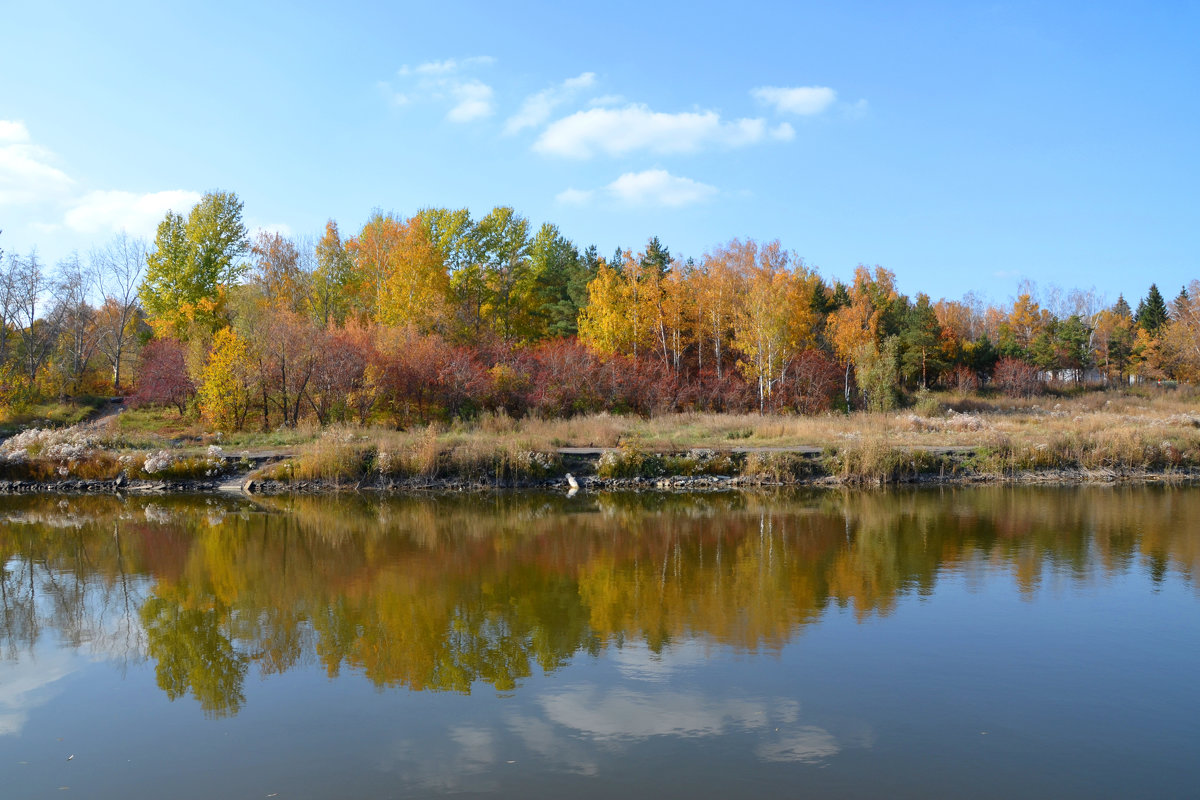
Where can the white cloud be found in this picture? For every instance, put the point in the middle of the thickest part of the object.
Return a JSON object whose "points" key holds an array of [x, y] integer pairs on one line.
{"points": [[473, 100], [279, 228], [623, 714], [803, 100], [857, 110], [651, 187], [807, 745], [574, 197], [657, 187], [442, 81], [637, 661], [615, 132], [29, 683], [536, 108], [27, 174], [13, 131], [447, 67], [783, 132], [606, 100], [137, 214]]}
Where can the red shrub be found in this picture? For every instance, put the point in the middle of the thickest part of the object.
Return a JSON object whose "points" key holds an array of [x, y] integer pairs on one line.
{"points": [[811, 383], [163, 377], [1016, 378], [962, 378]]}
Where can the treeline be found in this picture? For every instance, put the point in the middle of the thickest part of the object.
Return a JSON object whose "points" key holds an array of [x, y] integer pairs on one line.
{"points": [[441, 316]]}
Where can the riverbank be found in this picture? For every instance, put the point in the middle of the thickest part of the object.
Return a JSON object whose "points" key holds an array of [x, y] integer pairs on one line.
{"points": [[678, 472], [1095, 437]]}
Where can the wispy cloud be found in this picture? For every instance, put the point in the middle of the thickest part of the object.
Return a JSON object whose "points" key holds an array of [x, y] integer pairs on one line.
{"points": [[447, 67], [800, 100], [473, 100], [443, 82], [536, 108], [619, 131], [575, 197], [27, 171], [652, 187]]}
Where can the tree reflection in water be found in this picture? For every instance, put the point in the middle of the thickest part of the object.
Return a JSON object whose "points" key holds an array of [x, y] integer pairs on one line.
{"points": [[447, 593]]}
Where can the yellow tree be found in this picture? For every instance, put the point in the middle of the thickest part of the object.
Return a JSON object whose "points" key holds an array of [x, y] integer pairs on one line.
{"points": [[676, 313], [718, 283], [277, 273], [857, 328], [773, 320], [1112, 341], [415, 286], [225, 382], [1027, 320], [623, 311], [1148, 361], [603, 324], [370, 252], [1181, 339]]}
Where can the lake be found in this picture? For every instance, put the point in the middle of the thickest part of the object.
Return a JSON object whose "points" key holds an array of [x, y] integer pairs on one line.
{"points": [[965, 642]]}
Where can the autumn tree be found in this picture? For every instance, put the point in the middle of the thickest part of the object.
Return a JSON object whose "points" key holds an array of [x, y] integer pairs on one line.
{"points": [[603, 325], [1112, 341], [276, 271], [773, 322], [332, 278], [857, 328], [193, 265], [717, 289], [338, 386], [1181, 338], [226, 382], [415, 286], [116, 273]]}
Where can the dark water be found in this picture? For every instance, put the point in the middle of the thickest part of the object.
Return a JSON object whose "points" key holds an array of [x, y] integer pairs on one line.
{"points": [[962, 643]]}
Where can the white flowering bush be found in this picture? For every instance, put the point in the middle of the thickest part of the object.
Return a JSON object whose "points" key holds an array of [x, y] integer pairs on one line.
{"points": [[157, 462], [58, 444]]}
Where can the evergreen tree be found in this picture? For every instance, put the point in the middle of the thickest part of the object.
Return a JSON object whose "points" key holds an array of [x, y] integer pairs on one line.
{"points": [[1121, 308], [840, 297], [1152, 312], [554, 262], [657, 256], [1180, 304], [921, 357], [1071, 338]]}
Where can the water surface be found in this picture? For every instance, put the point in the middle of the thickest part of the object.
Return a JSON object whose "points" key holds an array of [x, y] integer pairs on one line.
{"points": [[992, 642]]}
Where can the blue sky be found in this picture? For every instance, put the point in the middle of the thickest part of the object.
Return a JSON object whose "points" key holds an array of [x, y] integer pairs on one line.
{"points": [[963, 146]]}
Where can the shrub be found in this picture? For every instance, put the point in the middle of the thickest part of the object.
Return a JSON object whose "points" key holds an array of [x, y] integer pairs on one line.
{"points": [[162, 377], [1016, 378], [630, 463]]}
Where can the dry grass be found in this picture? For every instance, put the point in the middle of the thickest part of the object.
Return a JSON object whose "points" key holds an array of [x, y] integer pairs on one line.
{"points": [[357, 453]]}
